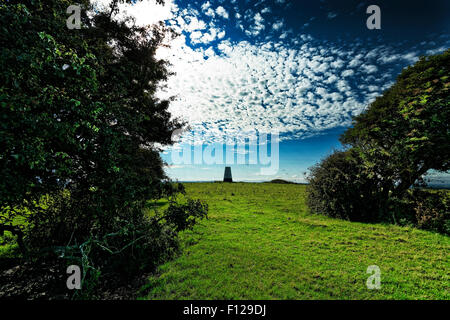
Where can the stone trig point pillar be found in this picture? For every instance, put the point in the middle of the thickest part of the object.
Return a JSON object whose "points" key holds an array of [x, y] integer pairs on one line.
{"points": [[227, 176]]}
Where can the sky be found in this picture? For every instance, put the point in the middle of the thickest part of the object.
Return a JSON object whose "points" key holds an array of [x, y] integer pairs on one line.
{"points": [[297, 71]]}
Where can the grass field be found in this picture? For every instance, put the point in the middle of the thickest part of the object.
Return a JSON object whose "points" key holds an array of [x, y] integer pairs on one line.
{"points": [[260, 242]]}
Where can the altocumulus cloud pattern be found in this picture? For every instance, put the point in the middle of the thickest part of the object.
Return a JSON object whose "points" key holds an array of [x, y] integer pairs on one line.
{"points": [[240, 66]]}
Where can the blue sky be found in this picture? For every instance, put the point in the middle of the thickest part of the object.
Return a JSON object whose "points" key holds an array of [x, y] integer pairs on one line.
{"points": [[300, 69]]}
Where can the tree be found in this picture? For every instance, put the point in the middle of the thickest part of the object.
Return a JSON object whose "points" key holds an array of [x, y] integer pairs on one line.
{"points": [[402, 134], [406, 132], [78, 113], [81, 125]]}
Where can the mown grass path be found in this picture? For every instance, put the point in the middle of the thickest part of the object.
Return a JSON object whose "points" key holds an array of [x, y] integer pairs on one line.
{"points": [[260, 243]]}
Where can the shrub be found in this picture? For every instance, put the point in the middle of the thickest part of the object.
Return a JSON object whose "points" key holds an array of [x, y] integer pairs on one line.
{"points": [[424, 209], [338, 187], [184, 216], [115, 247], [432, 210]]}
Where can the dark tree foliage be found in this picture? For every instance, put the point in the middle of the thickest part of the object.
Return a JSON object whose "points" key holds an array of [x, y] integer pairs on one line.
{"points": [[406, 131], [184, 216], [340, 189], [80, 127], [77, 112], [424, 209], [403, 134]]}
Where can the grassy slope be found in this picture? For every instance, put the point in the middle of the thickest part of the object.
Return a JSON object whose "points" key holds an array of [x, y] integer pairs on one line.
{"points": [[261, 243]]}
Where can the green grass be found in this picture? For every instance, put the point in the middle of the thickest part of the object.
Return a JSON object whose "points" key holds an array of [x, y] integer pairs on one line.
{"points": [[8, 244], [260, 242]]}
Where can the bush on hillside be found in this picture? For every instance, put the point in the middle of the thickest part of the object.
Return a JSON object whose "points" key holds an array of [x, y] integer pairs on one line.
{"points": [[425, 209], [339, 188]]}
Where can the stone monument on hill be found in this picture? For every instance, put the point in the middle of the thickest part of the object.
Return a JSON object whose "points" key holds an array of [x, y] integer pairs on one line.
{"points": [[227, 176]]}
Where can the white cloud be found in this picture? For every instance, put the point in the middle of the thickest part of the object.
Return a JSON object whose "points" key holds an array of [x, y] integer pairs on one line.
{"points": [[259, 18], [436, 51], [225, 87], [222, 12], [347, 73], [209, 52], [411, 57], [257, 27], [195, 36], [206, 6], [278, 25], [207, 37], [284, 35], [369, 68], [355, 62], [249, 87], [210, 12], [207, 10], [337, 64], [331, 15], [194, 24]]}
